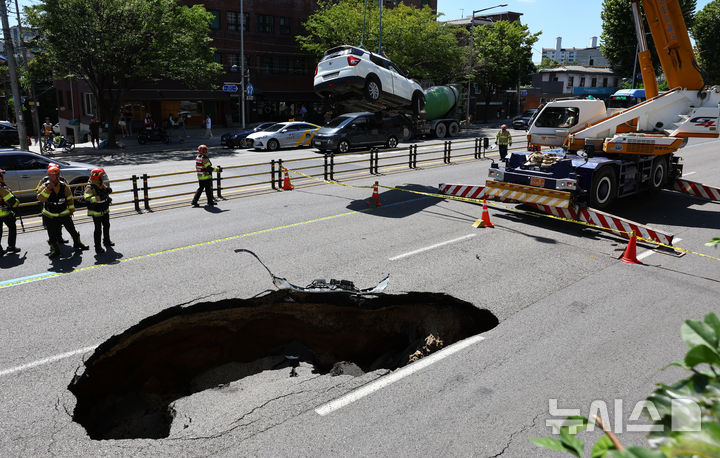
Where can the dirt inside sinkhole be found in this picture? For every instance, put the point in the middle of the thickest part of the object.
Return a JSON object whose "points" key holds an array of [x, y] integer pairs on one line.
{"points": [[132, 378]]}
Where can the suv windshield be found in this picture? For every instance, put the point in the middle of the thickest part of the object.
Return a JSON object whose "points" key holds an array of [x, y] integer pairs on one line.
{"points": [[337, 122]]}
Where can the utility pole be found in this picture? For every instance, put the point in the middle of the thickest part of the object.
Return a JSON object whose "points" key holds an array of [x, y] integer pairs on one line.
{"points": [[242, 62], [12, 67], [34, 108]]}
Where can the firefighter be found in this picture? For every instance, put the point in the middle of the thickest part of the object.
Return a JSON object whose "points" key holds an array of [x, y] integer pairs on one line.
{"points": [[204, 169], [503, 140], [58, 207], [8, 204], [98, 206]]}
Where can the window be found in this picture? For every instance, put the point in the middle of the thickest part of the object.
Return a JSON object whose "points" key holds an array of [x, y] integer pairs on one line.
{"points": [[284, 25], [265, 24], [266, 64], [571, 80], [233, 21], [582, 81], [217, 57], [283, 65], [215, 21], [68, 101], [605, 82], [558, 117], [89, 104], [299, 66], [593, 82]]}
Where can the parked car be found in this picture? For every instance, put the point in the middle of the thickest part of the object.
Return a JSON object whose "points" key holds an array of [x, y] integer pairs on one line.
{"points": [[24, 170], [237, 139], [8, 134], [358, 129], [283, 135], [523, 121], [349, 73]]}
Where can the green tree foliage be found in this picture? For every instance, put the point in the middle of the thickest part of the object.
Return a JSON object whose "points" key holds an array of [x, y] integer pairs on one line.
{"points": [[548, 63], [502, 55], [116, 45], [689, 410], [618, 38], [706, 31], [411, 37]]}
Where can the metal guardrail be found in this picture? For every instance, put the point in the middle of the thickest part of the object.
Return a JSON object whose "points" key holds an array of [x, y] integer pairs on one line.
{"points": [[143, 189]]}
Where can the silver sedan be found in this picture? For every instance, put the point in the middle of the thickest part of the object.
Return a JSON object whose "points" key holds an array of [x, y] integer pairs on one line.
{"points": [[283, 135]]}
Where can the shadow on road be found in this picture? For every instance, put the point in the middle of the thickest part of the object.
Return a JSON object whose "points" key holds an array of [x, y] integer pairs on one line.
{"points": [[396, 203]]}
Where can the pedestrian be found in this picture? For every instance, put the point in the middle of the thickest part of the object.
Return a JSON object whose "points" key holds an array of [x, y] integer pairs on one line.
{"points": [[171, 123], [181, 124], [204, 169], [47, 129], [208, 126], [94, 132], [58, 208], [97, 196], [503, 140], [303, 112], [123, 125], [8, 204]]}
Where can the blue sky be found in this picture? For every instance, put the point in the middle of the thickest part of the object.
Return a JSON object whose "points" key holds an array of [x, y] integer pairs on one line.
{"points": [[573, 20]]}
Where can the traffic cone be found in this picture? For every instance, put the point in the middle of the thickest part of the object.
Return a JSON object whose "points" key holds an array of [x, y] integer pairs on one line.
{"points": [[484, 220], [630, 256], [375, 195], [287, 186]]}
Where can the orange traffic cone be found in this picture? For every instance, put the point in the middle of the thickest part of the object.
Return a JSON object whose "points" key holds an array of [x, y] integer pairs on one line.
{"points": [[375, 195], [287, 186], [484, 220], [630, 255]]}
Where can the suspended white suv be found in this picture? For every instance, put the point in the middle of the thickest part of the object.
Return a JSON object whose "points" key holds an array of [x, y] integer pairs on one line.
{"points": [[353, 76]]}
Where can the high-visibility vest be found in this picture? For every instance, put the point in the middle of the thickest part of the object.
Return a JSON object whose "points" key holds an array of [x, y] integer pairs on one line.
{"points": [[58, 203], [8, 201], [203, 167], [97, 199], [504, 138], [47, 129]]}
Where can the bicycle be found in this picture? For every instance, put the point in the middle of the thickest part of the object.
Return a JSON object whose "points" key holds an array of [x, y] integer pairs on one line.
{"points": [[57, 142]]}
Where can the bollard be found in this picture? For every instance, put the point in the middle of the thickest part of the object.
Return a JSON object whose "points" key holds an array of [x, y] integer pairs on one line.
{"points": [[415, 156], [410, 157], [146, 189], [136, 196], [374, 158], [477, 148], [325, 166], [486, 145], [272, 173], [332, 166], [219, 183], [279, 174]]}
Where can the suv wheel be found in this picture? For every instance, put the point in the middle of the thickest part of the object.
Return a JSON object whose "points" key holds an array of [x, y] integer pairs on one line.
{"points": [[392, 142], [343, 146], [372, 89]]}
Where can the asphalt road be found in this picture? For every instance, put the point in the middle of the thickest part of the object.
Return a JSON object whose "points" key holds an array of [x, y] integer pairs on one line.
{"points": [[575, 324]]}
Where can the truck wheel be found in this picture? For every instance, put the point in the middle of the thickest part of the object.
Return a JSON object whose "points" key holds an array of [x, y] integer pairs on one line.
{"points": [[440, 130], [343, 146], [658, 176], [392, 142], [453, 129], [604, 188], [372, 89]]}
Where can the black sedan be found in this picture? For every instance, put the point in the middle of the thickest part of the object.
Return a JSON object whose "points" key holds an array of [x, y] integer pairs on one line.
{"points": [[8, 134], [237, 139], [523, 121]]}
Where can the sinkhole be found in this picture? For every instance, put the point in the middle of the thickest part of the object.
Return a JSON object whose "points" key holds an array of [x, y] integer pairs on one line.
{"points": [[129, 382]]}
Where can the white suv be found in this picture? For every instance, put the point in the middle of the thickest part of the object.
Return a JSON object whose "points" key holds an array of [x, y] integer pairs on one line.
{"points": [[346, 72]]}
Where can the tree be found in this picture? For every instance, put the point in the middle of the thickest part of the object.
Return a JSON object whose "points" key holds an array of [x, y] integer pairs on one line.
{"points": [[618, 38], [502, 56], [115, 46], [411, 37], [706, 31], [548, 63]]}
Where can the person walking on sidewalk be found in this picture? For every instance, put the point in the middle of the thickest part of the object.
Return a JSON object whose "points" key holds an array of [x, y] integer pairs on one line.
{"points": [[58, 207], [182, 119], [8, 204], [503, 140], [94, 132], [208, 127], [97, 196], [47, 130], [204, 169]]}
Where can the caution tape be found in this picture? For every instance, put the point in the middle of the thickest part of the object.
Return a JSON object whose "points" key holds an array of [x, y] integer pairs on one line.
{"points": [[508, 208]]}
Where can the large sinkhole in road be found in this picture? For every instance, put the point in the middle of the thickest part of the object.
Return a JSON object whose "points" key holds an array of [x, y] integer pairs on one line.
{"points": [[132, 378]]}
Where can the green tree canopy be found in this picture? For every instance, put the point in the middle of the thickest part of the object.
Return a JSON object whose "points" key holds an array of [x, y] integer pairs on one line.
{"points": [[116, 45], [411, 37], [618, 36], [706, 31], [502, 55]]}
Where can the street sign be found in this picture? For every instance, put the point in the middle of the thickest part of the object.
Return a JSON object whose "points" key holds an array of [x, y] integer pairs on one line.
{"points": [[250, 89], [230, 88], [523, 92]]}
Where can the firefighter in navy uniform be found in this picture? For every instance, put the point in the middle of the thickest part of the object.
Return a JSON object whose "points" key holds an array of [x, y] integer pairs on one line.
{"points": [[97, 196], [58, 207], [204, 169], [8, 204]]}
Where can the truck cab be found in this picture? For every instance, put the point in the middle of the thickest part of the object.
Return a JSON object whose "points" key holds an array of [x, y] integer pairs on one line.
{"points": [[560, 118]]}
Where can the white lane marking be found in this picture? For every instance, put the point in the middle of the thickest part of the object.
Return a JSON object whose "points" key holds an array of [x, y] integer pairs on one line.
{"points": [[647, 253], [437, 245], [386, 380], [687, 174], [48, 360]]}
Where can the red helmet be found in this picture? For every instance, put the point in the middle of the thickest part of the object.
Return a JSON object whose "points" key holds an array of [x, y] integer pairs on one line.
{"points": [[2, 172], [202, 149], [97, 174], [53, 169], [504, 126]]}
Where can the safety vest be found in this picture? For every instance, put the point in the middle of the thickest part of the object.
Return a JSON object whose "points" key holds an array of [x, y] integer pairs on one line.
{"points": [[58, 203], [97, 200], [504, 139], [203, 167], [47, 129], [8, 201]]}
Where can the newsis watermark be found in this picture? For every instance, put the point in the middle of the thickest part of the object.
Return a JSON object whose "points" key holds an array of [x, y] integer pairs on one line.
{"points": [[685, 413]]}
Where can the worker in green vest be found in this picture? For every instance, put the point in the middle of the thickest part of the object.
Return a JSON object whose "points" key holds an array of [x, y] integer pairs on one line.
{"points": [[503, 140]]}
